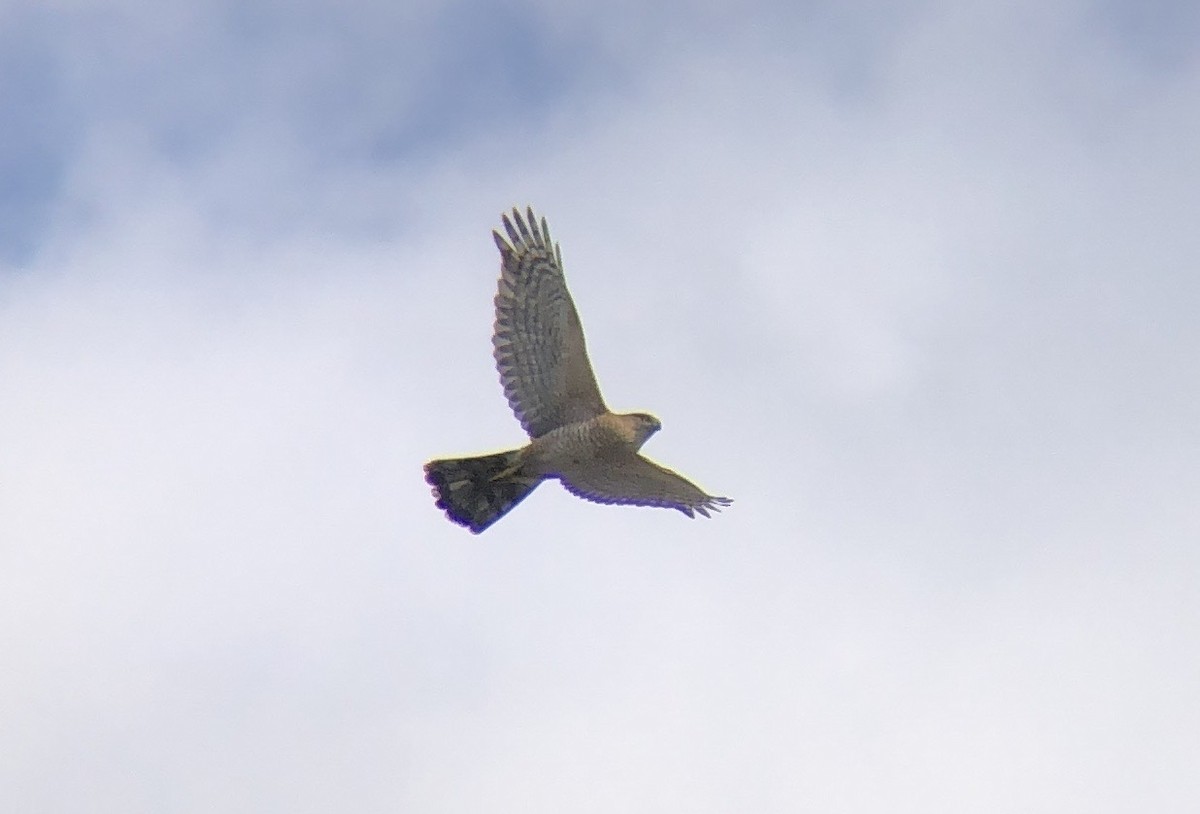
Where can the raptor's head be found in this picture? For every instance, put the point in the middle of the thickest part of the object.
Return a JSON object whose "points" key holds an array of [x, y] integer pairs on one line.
{"points": [[645, 426]]}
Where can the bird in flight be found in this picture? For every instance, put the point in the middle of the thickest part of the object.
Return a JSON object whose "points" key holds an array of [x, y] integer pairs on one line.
{"points": [[574, 438]]}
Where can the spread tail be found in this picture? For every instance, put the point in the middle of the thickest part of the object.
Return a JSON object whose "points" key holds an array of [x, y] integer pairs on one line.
{"points": [[476, 492]]}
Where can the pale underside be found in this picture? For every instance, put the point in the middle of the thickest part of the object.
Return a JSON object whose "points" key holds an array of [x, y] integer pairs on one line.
{"points": [[638, 481], [543, 363]]}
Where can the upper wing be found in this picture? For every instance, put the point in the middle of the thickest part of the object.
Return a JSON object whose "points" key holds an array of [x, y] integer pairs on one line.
{"points": [[638, 481], [538, 341]]}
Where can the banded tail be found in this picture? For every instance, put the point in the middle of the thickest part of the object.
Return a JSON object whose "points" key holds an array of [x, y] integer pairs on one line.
{"points": [[476, 492]]}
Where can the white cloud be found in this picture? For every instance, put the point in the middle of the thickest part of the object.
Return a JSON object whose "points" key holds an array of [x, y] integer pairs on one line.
{"points": [[921, 299]]}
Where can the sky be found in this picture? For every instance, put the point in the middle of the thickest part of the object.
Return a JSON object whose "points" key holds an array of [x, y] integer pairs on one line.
{"points": [[914, 283]]}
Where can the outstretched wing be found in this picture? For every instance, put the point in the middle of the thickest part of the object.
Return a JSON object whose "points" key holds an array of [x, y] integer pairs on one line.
{"points": [[638, 481], [538, 341]]}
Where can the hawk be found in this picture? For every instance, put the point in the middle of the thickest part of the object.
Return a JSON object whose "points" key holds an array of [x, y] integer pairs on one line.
{"points": [[574, 438]]}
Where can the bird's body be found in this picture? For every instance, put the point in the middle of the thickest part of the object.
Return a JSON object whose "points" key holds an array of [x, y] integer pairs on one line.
{"points": [[542, 358], [559, 451]]}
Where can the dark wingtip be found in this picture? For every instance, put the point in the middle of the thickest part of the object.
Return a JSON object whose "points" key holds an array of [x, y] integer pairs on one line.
{"points": [[713, 505], [514, 237]]}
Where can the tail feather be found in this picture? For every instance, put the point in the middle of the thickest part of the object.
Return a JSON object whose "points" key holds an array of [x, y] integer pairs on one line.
{"points": [[476, 492]]}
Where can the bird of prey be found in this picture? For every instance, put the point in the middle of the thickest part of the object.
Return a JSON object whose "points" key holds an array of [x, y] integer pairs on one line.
{"points": [[574, 438]]}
